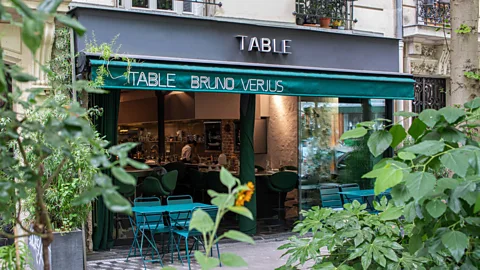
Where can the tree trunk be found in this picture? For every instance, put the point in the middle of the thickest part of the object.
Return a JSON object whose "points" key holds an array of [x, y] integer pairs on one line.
{"points": [[42, 224], [464, 50]]}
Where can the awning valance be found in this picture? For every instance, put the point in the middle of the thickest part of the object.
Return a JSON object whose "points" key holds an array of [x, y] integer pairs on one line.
{"points": [[196, 78]]}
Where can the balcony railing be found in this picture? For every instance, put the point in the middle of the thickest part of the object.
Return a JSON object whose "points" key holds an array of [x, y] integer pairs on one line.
{"points": [[433, 12], [339, 12]]}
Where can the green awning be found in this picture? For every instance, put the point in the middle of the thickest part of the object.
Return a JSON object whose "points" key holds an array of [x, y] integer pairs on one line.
{"points": [[196, 78]]}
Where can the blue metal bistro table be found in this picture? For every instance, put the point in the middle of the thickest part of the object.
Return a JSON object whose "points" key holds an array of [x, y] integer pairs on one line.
{"points": [[140, 225], [364, 194]]}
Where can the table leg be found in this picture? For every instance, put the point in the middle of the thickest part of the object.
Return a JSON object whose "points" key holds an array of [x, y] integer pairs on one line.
{"points": [[135, 244]]}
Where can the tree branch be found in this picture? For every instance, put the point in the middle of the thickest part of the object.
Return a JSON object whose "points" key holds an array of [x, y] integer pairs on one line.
{"points": [[22, 151], [55, 174]]}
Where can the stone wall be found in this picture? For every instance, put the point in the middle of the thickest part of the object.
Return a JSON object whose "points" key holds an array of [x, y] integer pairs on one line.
{"points": [[283, 131]]}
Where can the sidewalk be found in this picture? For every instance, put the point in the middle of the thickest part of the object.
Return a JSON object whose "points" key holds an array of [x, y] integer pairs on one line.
{"points": [[262, 256]]}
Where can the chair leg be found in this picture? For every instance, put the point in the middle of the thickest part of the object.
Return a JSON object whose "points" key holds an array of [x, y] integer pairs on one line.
{"points": [[186, 252]]}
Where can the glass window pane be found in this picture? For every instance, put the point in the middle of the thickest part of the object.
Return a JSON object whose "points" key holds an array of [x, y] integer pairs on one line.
{"points": [[187, 6], [165, 4], [140, 3], [324, 159]]}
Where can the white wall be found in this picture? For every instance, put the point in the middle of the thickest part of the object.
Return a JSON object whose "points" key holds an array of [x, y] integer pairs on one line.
{"points": [[376, 16], [266, 10]]}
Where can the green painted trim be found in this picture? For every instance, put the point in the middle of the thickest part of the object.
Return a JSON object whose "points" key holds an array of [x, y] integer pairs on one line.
{"points": [[191, 78]]}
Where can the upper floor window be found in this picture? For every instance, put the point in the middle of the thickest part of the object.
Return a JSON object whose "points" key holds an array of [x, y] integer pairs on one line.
{"points": [[433, 12], [336, 14], [165, 5]]}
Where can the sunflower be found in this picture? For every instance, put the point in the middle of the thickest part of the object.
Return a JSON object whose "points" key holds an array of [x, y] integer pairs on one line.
{"points": [[245, 195]]}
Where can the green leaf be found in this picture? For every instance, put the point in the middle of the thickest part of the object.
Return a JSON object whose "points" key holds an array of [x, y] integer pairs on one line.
{"points": [[415, 243], [201, 221], [452, 135], [451, 114], [359, 239], [379, 141], [405, 114], [123, 176], [456, 242], [232, 260], [87, 196], [366, 259], [398, 133], [427, 148], [137, 165], [392, 213], [326, 266], [223, 200], [103, 180], [389, 253], [356, 253], [20, 76], [379, 258], [406, 156], [456, 160], [227, 178], [430, 117], [23, 8], [473, 104], [420, 184], [410, 212], [436, 208], [476, 209], [385, 178], [417, 128], [32, 33], [446, 183], [116, 202], [354, 133], [400, 194], [206, 262], [241, 210], [72, 23], [239, 236]]}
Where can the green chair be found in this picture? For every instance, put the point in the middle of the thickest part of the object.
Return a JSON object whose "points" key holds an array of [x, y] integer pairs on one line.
{"points": [[180, 167], [282, 182], [179, 199], [329, 196], [151, 187], [198, 182], [169, 181], [214, 183], [288, 168]]}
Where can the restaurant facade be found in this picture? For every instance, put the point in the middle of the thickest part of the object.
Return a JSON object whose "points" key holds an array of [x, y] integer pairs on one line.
{"points": [[266, 95]]}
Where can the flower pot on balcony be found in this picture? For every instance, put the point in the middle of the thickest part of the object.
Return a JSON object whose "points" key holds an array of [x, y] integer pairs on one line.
{"points": [[325, 22]]}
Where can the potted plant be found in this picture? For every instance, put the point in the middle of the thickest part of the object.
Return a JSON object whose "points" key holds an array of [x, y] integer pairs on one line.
{"points": [[326, 10], [75, 177]]}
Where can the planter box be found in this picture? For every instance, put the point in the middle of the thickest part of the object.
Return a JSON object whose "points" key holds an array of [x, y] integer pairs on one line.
{"points": [[66, 251]]}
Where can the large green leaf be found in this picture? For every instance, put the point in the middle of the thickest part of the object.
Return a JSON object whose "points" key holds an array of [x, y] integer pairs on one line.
{"points": [[456, 160], [420, 184], [385, 178], [430, 117], [417, 128], [227, 178], [398, 134], [476, 209], [116, 202], [410, 212], [379, 257], [367, 259], [232, 260], [137, 165], [123, 176], [241, 210], [436, 208], [427, 148], [49, 6], [205, 262], [32, 33], [446, 183], [72, 23], [456, 242], [452, 135], [473, 104], [223, 200], [400, 194], [392, 213], [354, 133], [379, 141], [239, 236], [451, 114], [406, 156], [201, 221]]}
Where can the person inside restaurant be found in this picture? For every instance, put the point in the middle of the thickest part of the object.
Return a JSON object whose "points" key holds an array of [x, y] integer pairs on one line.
{"points": [[187, 151]]}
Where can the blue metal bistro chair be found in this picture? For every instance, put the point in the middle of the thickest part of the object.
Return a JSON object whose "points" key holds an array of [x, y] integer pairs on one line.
{"points": [[330, 197], [350, 198], [180, 222], [148, 226]]}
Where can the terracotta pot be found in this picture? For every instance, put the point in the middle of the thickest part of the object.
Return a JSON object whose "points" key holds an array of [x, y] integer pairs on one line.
{"points": [[325, 22]]}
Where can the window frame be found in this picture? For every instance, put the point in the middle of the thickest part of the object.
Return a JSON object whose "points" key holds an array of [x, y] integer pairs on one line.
{"points": [[152, 6]]}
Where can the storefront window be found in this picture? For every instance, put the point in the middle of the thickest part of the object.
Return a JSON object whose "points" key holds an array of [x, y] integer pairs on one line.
{"points": [[140, 3], [323, 158], [165, 4]]}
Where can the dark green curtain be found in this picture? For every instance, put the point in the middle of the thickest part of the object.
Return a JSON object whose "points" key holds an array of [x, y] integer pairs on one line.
{"points": [[107, 126], [247, 158]]}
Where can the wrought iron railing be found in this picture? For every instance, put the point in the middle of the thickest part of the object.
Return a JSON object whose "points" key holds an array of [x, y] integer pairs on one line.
{"points": [[310, 11], [433, 12], [429, 93]]}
